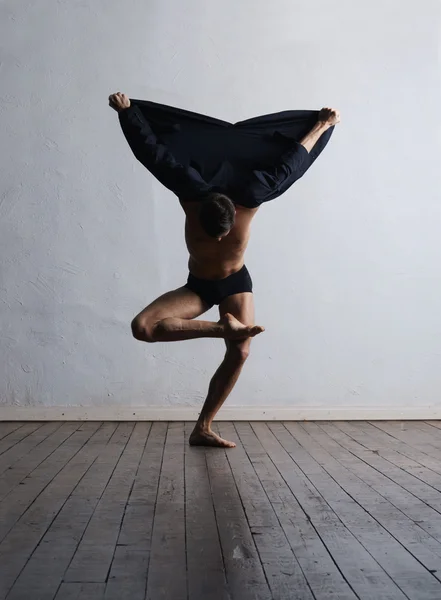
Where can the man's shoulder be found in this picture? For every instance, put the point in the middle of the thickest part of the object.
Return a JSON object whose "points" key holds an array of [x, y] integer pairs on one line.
{"points": [[245, 210], [244, 216], [189, 206]]}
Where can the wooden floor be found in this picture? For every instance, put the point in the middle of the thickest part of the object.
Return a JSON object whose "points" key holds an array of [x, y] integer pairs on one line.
{"points": [[127, 511]]}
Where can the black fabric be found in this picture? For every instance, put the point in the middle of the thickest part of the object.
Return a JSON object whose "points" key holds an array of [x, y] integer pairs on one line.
{"points": [[251, 161], [214, 291]]}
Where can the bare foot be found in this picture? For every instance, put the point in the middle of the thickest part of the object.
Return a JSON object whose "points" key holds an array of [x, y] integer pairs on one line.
{"points": [[235, 330], [208, 438]]}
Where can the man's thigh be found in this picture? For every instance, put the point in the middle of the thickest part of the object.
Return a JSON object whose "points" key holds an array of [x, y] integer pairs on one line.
{"points": [[240, 306], [181, 303]]}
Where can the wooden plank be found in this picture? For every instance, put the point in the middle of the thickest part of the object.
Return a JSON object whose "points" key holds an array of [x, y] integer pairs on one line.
{"points": [[323, 470], [27, 464], [428, 430], [365, 576], [323, 576], [167, 555], [412, 482], [394, 464], [245, 575], [425, 432], [436, 424], [399, 512], [410, 436], [18, 501], [6, 427], [22, 448], [81, 591], [17, 435], [283, 572], [21, 541], [391, 454], [390, 446], [409, 459], [205, 567], [47, 565], [128, 573], [93, 557]]}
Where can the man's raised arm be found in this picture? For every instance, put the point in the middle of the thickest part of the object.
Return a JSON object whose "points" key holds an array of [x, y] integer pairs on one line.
{"points": [[291, 165], [328, 117], [185, 182]]}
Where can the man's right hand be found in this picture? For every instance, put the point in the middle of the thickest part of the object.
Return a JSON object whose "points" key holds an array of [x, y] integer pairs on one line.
{"points": [[119, 101], [330, 116]]}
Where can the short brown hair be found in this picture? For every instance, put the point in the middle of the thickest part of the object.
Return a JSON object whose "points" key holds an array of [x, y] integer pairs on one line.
{"points": [[217, 214]]}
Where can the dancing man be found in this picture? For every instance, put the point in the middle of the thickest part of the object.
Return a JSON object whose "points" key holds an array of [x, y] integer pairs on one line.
{"points": [[220, 196]]}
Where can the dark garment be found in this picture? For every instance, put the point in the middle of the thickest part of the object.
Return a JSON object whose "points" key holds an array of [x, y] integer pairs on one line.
{"points": [[251, 161], [214, 291]]}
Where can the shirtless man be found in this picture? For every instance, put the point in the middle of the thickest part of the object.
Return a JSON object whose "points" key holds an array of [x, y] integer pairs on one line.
{"points": [[217, 234]]}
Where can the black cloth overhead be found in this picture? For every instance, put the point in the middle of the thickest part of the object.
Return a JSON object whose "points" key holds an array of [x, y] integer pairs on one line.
{"points": [[251, 161]]}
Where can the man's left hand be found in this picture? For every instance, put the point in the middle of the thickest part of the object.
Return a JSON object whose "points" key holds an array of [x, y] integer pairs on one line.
{"points": [[330, 116]]}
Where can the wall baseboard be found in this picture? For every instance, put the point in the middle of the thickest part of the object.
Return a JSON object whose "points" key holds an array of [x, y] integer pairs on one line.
{"points": [[160, 413]]}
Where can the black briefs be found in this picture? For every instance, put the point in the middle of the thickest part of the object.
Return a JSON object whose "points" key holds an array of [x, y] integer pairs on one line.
{"points": [[214, 291]]}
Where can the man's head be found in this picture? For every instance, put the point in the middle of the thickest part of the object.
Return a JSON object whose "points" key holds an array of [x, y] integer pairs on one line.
{"points": [[217, 215]]}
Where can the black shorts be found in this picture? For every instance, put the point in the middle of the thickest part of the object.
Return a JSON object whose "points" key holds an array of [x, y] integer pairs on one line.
{"points": [[214, 291]]}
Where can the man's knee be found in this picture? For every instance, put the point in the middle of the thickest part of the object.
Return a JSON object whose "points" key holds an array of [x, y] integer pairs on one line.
{"points": [[143, 329], [239, 351]]}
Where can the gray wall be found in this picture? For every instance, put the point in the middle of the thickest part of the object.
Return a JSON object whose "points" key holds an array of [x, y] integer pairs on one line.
{"points": [[345, 265]]}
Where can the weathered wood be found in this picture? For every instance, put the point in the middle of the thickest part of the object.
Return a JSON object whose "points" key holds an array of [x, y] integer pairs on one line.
{"points": [[19, 500], [46, 567], [22, 448], [93, 557], [386, 442], [366, 577], [245, 575], [410, 435], [128, 573], [17, 435], [283, 572], [22, 539], [81, 591], [297, 511], [167, 574], [416, 486], [28, 463], [205, 567], [6, 427], [425, 467], [436, 424], [322, 574], [426, 429], [400, 513], [403, 569]]}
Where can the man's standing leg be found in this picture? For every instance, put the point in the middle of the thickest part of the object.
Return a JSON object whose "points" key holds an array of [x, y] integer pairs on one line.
{"points": [[240, 306]]}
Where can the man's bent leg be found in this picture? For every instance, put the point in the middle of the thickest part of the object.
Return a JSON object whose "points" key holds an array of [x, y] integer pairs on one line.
{"points": [[170, 319], [225, 378]]}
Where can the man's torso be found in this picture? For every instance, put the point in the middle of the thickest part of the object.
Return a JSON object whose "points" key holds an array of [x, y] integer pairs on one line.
{"points": [[210, 258]]}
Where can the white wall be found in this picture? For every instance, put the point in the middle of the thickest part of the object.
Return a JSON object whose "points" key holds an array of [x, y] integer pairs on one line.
{"points": [[345, 265]]}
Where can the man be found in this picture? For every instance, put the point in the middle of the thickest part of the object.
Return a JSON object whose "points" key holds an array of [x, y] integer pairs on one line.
{"points": [[217, 231]]}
